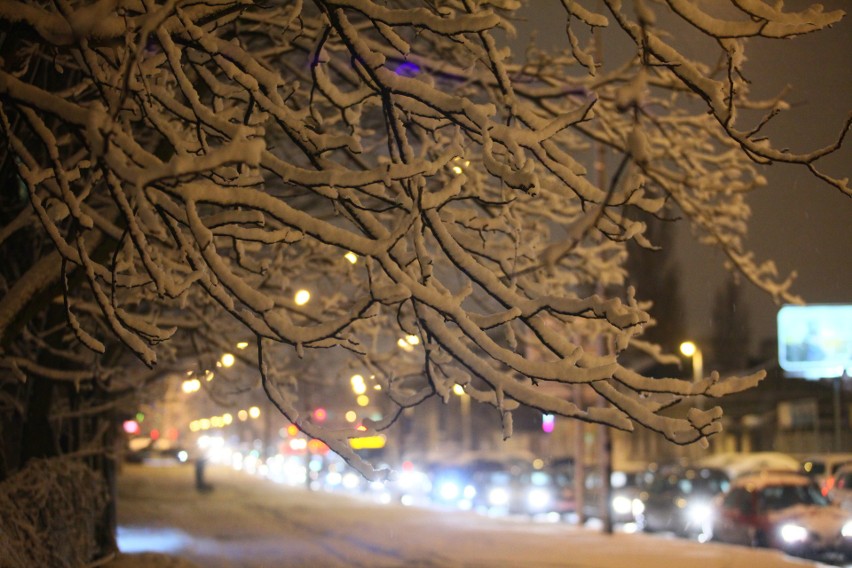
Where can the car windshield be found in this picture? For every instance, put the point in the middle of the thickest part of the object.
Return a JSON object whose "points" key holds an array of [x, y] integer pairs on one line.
{"points": [[539, 478], [777, 497], [690, 481]]}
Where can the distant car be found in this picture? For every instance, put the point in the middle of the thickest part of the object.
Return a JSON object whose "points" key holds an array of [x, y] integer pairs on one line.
{"points": [[514, 488], [412, 485], [158, 456], [626, 487], [785, 511], [822, 467], [451, 485], [679, 500], [562, 473], [841, 493]]}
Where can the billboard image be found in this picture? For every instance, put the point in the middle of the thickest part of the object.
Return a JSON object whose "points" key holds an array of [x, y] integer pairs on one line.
{"points": [[815, 341]]}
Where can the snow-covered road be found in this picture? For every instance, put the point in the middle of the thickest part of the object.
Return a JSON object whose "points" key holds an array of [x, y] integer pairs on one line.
{"points": [[251, 523]]}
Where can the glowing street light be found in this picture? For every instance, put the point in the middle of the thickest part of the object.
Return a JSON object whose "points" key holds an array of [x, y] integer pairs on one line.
{"points": [[254, 412], [465, 415], [363, 400], [690, 349], [350, 416], [460, 164], [302, 297], [358, 386], [227, 360], [351, 257]]}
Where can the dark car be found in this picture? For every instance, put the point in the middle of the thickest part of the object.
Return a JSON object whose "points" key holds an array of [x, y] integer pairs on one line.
{"points": [[158, 456], [679, 500], [451, 485], [626, 487], [514, 488], [786, 511]]}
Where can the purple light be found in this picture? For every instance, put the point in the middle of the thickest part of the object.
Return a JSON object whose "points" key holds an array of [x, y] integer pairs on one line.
{"points": [[407, 69], [548, 421]]}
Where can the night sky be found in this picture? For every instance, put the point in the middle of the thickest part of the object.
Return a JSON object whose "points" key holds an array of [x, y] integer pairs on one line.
{"points": [[801, 223]]}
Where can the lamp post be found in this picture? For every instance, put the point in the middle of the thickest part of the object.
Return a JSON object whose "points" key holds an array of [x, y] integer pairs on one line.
{"points": [[465, 416], [690, 349]]}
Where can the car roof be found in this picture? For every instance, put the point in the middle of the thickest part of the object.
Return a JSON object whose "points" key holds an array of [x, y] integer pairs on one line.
{"points": [[739, 464], [758, 481]]}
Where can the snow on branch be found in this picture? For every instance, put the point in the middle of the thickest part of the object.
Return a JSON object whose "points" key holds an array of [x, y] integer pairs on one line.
{"points": [[404, 163]]}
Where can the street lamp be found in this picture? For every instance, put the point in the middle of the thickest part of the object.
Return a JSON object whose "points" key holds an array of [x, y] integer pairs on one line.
{"points": [[690, 349], [302, 297], [465, 415]]}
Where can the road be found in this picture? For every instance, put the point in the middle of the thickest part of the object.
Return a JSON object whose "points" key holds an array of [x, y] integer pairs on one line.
{"points": [[248, 522]]}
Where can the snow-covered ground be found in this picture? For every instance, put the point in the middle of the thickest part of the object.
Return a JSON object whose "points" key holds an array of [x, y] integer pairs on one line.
{"points": [[248, 522]]}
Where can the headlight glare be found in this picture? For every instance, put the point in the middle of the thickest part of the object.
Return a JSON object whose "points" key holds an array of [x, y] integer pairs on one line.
{"points": [[498, 497], [449, 491], [791, 533], [846, 531], [621, 505], [699, 512], [538, 498]]}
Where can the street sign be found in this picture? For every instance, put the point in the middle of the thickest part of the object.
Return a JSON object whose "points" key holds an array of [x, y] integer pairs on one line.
{"points": [[815, 341]]}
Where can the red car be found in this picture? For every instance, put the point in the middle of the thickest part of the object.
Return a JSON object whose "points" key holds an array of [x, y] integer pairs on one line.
{"points": [[786, 511]]}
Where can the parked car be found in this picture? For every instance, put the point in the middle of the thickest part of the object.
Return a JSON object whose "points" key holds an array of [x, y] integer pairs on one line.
{"points": [[785, 511], [822, 468], [679, 500]]}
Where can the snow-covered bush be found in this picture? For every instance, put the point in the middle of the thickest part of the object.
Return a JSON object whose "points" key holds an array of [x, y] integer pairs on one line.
{"points": [[192, 159], [51, 512]]}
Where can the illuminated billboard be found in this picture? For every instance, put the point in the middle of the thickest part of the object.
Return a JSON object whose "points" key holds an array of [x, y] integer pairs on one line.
{"points": [[815, 341]]}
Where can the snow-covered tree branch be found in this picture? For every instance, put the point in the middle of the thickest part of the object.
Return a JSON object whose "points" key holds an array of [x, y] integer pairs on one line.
{"points": [[400, 161]]}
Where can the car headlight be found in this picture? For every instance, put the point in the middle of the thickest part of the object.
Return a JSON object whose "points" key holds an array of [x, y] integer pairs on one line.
{"points": [[449, 491], [698, 512], [638, 507], [846, 531], [351, 480], [622, 505], [538, 498], [792, 533], [498, 497]]}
